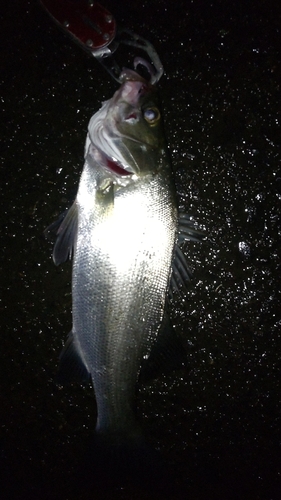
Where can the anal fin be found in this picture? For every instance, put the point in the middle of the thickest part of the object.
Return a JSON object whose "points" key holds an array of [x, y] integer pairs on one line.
{"points": [[71, 365]]}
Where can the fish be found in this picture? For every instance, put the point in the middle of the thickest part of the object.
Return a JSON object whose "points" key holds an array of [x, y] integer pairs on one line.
{"points": [[123, 233]]}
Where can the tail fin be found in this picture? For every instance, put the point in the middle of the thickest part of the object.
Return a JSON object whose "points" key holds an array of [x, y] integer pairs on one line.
{"points": [[125, 471]]}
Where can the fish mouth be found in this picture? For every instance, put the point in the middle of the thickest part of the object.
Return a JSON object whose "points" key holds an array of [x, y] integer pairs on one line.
{"points": [[112, 164], [112, 139]]}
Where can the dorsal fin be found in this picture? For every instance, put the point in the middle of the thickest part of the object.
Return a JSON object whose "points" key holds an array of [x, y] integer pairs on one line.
{"points": [[187, 230], [167, 354], [181, 272]]}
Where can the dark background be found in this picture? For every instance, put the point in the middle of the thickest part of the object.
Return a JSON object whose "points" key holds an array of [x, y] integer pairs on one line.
{"points": [[216, 421]]}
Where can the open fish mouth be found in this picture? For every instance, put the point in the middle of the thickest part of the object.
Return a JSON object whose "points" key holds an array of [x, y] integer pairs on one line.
{"points": [[113, 165]]}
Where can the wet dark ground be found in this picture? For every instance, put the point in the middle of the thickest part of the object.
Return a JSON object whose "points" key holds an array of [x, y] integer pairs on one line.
{"points": [[217, 421]]}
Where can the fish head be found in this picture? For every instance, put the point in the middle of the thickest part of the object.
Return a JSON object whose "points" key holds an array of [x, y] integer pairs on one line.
{"points": [[126, 135]]}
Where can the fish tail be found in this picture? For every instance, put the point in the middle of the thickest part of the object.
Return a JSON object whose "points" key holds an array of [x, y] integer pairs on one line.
{"points": [[132, 468]]}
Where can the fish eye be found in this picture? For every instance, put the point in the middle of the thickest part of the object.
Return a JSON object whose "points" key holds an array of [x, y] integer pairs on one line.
{"points": [[151, 115]]}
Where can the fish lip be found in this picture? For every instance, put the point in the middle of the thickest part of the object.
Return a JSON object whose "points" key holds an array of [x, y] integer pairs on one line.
{"points": [[128, 74]]}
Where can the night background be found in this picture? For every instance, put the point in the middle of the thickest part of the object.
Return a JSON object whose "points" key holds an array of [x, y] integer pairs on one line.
{"points": [[216, 420]]}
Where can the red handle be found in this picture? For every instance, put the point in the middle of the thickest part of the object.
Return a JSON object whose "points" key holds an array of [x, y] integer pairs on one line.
{"points": [[88, 22]]}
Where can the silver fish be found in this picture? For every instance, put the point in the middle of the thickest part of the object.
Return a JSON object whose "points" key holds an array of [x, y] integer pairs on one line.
{"points": [[122, 232]]}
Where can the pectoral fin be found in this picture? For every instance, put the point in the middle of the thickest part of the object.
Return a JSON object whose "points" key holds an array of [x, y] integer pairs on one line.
{"points": [[65, 232]]}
